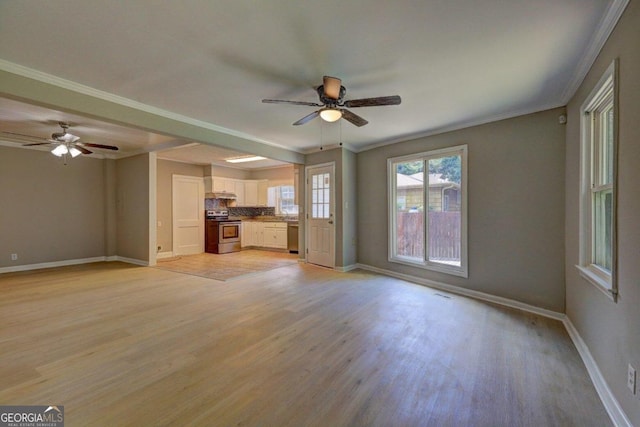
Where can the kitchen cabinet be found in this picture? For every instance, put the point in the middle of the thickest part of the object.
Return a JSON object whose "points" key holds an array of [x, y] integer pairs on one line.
{"points": [[251, 193], [263, 186], [264, 234], [238, 189], [252, 234], [275, 235]]}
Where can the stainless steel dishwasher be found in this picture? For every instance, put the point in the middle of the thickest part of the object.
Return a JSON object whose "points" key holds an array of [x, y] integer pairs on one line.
{"points": [[292, 237]]}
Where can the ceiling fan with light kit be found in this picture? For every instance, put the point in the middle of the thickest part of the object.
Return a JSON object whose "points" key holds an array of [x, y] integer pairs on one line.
{"points": [[331, 94], [65, 143]]}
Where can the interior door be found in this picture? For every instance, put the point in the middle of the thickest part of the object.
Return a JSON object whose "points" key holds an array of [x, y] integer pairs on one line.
{"points": [[188, 215], [320, 215]]}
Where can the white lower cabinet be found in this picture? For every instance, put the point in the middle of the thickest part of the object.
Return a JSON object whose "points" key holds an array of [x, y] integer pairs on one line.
{"points": [[264, 234], [275, 235]]}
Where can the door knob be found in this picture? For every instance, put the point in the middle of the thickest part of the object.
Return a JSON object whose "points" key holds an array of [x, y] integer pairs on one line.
{"points": [[330, 222]]}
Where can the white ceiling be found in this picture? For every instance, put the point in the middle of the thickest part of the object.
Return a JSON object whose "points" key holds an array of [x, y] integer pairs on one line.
{"points": [[454, 63]]}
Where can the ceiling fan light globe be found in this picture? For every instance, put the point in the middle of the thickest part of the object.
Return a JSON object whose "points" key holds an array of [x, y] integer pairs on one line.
{"points": [[74, 152], [60, 150], [330, 114]]}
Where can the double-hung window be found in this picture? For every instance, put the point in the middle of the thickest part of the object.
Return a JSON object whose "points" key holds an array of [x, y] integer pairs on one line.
{"points": [[598, 181], [428, 210]]}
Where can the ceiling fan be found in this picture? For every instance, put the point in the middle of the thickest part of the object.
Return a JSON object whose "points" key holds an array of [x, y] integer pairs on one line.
{"points": [[331, 94], [65, 142]]}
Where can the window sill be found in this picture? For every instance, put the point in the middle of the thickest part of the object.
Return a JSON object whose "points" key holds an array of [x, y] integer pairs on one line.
{"points": [[596, 280], [440, 268]]}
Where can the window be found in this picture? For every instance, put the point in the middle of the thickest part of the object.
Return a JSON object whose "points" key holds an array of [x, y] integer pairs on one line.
{"points": [[428, 210], [598, 166], [282, 198]]}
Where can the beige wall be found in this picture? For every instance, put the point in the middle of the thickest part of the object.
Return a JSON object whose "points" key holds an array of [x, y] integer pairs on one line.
{"points": [[132, 207], [165, 171], [611, 330], [50, 211], [225, 172], [284, 173], [516, 208]]}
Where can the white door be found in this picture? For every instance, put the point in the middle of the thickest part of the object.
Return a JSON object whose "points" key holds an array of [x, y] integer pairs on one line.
{"points": [[320, 211], [188, 215]]}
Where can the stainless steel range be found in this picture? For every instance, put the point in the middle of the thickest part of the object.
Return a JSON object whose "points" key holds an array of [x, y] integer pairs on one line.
{"points": [[222, 234]]}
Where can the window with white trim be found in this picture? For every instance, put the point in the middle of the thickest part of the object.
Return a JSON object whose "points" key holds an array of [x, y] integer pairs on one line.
{"points": [[282, 198], [428, 210], [598, 182]]}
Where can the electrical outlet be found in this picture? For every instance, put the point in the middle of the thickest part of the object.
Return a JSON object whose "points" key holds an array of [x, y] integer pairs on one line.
{"points": [[14, 257], [631, 379]]}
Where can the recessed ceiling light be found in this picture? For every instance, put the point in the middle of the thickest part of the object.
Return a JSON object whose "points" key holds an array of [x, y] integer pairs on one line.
{"points": [[245, 159]]}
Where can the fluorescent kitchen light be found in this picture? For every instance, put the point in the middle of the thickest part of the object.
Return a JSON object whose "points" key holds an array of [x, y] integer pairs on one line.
{"points": [[245, 159]]}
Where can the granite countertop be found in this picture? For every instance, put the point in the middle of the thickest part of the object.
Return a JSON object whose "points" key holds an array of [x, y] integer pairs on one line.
{"points": [[264, 218]]}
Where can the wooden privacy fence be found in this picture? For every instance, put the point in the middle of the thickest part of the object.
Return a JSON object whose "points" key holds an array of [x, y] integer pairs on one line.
{"points": [[444, 235]]}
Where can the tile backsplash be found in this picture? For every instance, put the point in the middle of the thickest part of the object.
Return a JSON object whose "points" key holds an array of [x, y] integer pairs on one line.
{"points": [[210, 204], [258, 211]]}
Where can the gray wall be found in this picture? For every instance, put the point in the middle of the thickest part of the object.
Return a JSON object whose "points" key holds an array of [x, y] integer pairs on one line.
{"points": [[516, 208], [132, 207], [345, 201], [165, 171], [50, 211], [611, 330], [349, 208]]}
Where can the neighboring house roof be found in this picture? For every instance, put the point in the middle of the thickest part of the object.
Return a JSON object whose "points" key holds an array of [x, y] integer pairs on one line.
{"points": [[415, 180]]}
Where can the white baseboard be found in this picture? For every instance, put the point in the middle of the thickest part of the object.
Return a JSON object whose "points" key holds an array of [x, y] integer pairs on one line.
{"points": [[132, 261], [67, 262], [41, 265], [617, 415], [163, 255], [346, 268], [466, 292]]}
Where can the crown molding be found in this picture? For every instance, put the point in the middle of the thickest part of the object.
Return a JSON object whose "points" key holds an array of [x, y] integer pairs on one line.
{"points": [[599, 38]]}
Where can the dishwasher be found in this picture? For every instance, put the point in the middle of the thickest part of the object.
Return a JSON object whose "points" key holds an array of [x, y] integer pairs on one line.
{"points": [[292, 237]]}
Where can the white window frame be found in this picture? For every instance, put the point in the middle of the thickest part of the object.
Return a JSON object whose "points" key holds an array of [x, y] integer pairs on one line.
{"points": [[425, 263], [603, 94]]}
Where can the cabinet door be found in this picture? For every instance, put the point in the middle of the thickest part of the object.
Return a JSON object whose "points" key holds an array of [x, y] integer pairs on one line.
{"points": [[281, 238], [245, 235], [239, 191], [251, 193], [262, 192], [218, 184], [257, 234], [269, 237], [229, 185]]}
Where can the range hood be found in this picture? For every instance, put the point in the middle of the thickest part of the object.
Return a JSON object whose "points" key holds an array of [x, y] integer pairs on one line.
{"points": [[220, 195]]}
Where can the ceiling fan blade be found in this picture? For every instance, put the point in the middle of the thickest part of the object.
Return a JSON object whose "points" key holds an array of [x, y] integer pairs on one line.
{"points": [[104, 147], [307, 118], [353, 118], [21, 135], [82, 149], [374, 102], [331, 87], [280, 101], [36, 143]]}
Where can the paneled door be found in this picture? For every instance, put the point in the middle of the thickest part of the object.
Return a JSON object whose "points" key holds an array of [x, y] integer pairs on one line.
{"points": [[188, 215], [320, 215]]}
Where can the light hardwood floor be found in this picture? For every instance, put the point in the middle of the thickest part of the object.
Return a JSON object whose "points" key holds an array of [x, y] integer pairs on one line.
{"points": [[297, 346]]}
